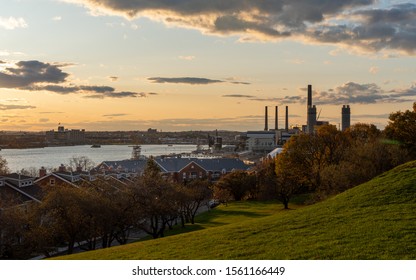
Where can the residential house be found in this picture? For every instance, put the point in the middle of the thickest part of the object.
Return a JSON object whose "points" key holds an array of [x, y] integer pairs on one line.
{"points": [[21, 189], [183, 169], [178, 168]]}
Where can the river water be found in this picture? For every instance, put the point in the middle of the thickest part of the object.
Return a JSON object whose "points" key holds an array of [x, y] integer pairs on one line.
{"points": [[18, 159]]}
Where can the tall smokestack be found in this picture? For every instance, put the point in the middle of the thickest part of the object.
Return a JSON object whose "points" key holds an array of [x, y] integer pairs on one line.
{"points": [[287, 118], [311, 113], [266, 126], [276, 117], [309, 96]]}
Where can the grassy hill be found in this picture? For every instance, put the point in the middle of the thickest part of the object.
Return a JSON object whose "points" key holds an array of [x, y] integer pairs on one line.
{"points": [[376, 220]]}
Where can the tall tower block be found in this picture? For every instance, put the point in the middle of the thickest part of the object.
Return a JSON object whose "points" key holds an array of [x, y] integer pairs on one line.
{"points": [[346, 117]]}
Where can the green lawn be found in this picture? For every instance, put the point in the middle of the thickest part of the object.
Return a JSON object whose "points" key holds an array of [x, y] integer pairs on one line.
{"points": [[376, 220]]}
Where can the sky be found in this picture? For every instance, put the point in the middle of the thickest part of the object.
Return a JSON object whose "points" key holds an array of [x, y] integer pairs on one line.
{"points": [[202, 65]]}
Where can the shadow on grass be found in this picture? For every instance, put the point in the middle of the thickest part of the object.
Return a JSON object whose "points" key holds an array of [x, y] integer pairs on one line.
{"points": [[216, 213], [225, 215]]}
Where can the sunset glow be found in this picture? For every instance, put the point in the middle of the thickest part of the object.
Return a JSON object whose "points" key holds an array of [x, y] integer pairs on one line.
{"points": [[201, 65]]}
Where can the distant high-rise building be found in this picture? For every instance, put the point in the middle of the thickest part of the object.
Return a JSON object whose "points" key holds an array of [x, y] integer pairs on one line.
{"points": [[65, 136], [346, 117]]}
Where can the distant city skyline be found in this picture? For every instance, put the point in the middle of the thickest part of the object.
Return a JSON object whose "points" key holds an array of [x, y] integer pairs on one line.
{"points": [[202, 65]]}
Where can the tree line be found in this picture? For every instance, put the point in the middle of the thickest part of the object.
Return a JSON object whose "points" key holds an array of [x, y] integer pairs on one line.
{"points": [[326, 162], [99, 214]]}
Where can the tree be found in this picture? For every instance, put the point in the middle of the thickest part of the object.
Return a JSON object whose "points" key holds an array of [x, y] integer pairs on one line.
{"points": [[333, 143], [240, 184], [362, 132], [266, 179], [115, 212], [66, 211], [337, 178], [364, 156], [402, 128], [3, 166], [305, 155], [308, 155], [156, 199], [83, 163], [193, 194], [31, 172], [13, 221], [288, 179]]}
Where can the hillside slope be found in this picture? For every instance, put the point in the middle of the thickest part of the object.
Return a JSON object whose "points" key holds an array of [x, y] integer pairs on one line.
{"points": [[376, 220]]}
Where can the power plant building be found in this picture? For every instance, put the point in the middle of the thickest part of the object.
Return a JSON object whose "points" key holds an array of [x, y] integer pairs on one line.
{"points": [[269, 139], [261, 141]]}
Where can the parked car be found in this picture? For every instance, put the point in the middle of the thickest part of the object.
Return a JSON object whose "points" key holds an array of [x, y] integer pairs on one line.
{"points": [[213, 203]]}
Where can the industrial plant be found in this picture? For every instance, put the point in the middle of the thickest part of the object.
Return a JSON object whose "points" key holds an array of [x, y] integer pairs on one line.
{"points": [[267, 140]]}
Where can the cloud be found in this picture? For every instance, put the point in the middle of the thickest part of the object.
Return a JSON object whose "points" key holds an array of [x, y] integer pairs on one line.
{"points": [[390, 29], [10, 53], [57, 18], [114, 94], [238, 96], [26, 73], [241, 83], [115, 115], [348, 93], [4, 107], [236, 81], [194, 81], [373, 70], [39, 76], [282, 100], [134, 26], [296, 61], [364, 24], [72, 89], [46, 113], [124, 94], [14, 100], [369, 116], [354, 93], [184, 80], [11, 23], [43, 120], [409, 92], [113, 78], [187, 57]]}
